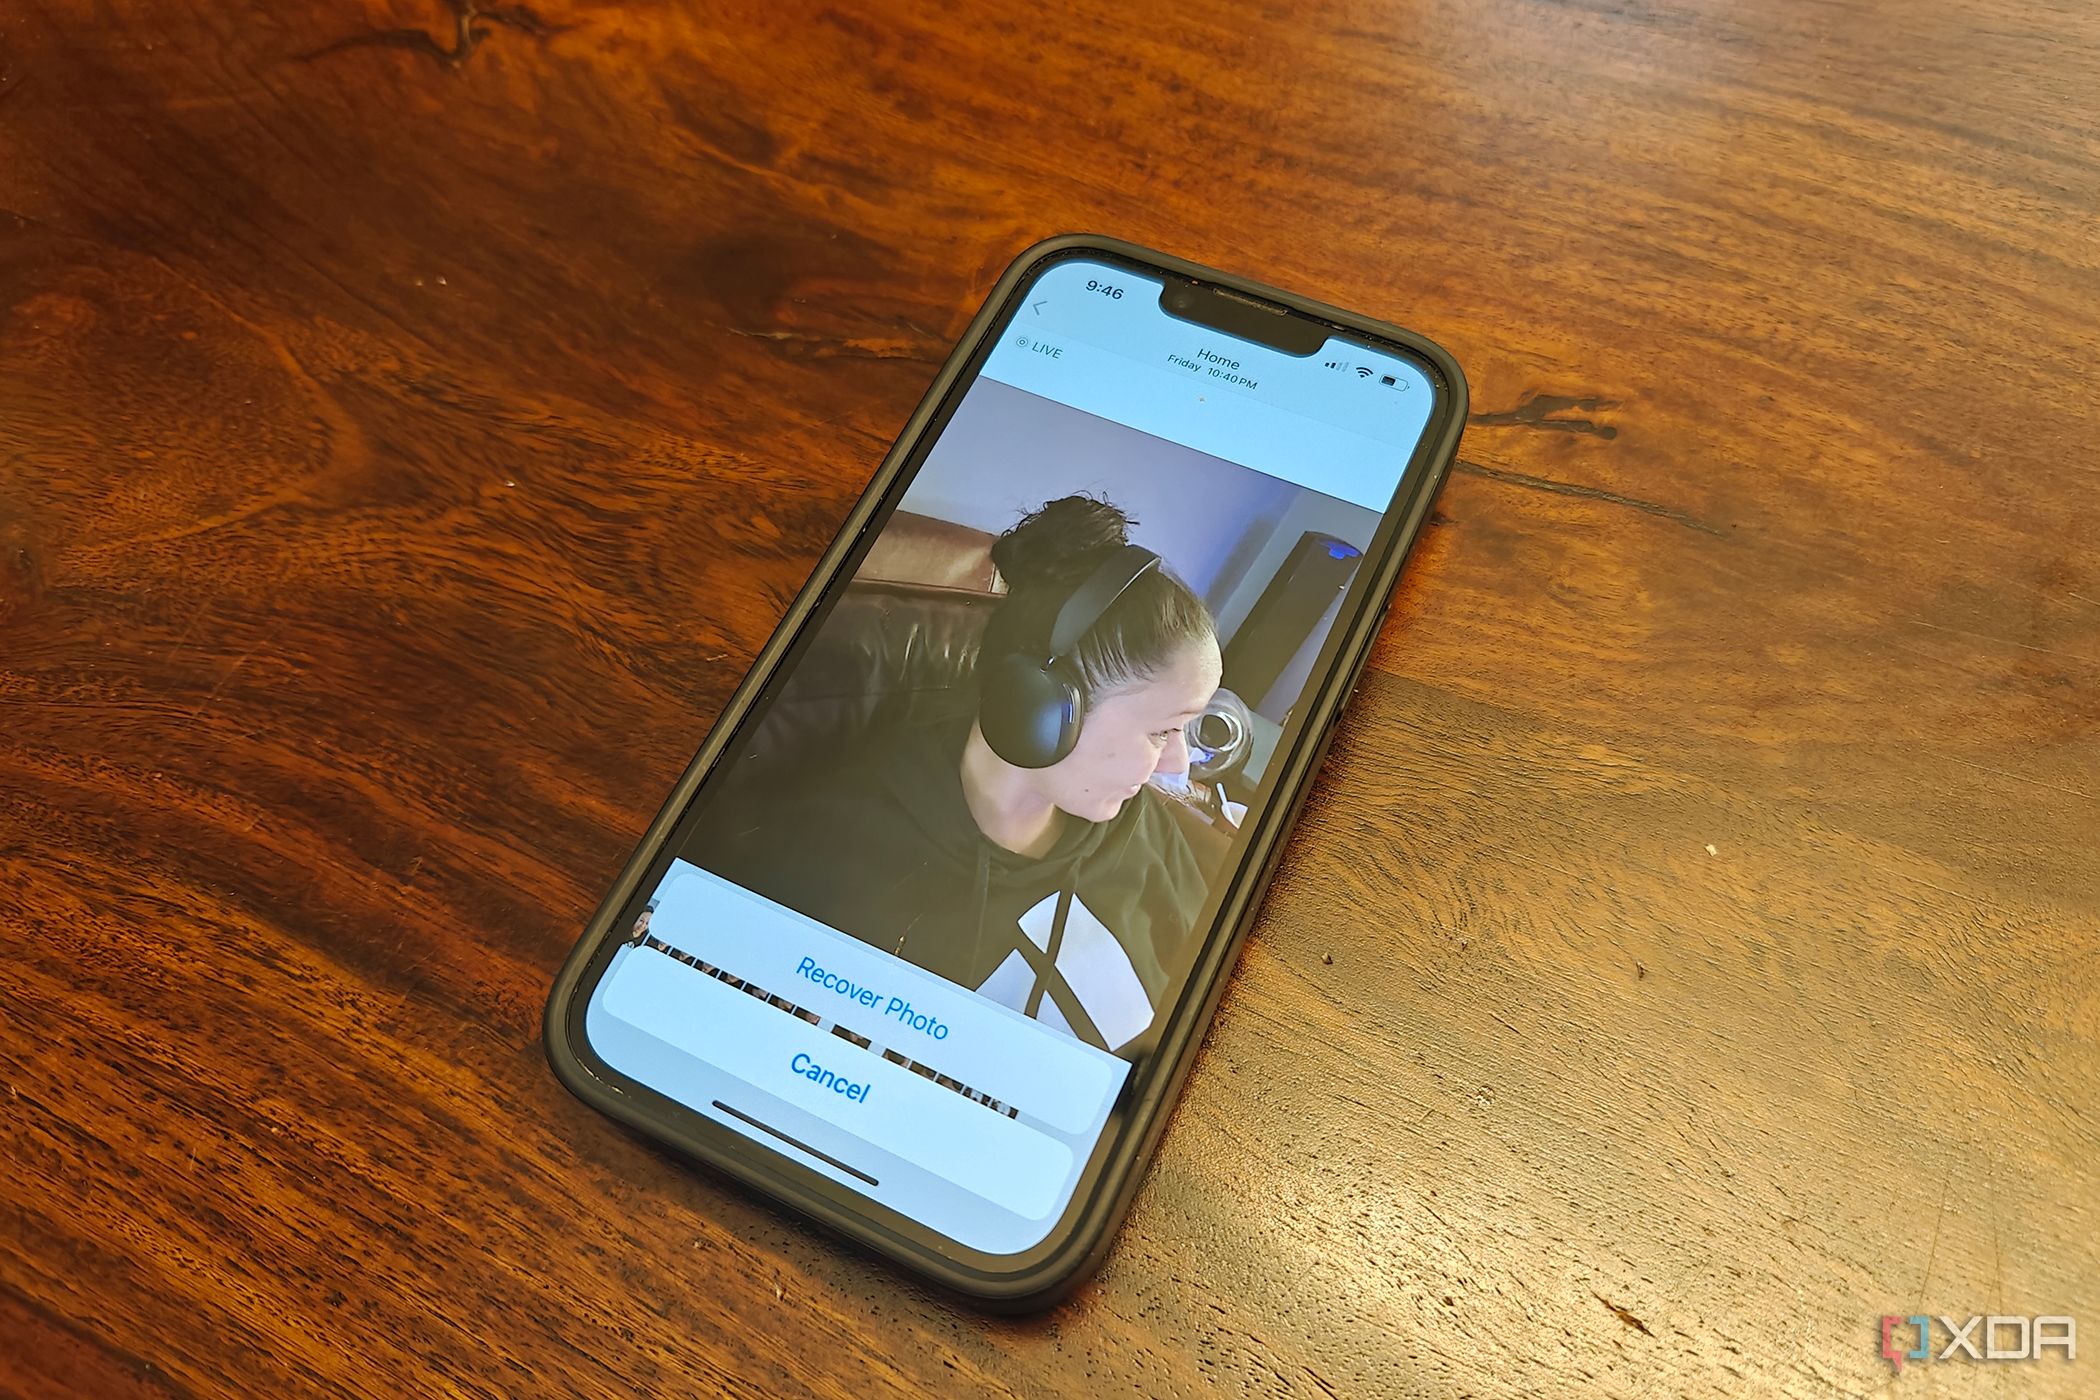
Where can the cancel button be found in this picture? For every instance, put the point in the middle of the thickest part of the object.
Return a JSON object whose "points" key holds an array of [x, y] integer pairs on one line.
{"points": [[831, 1079]]}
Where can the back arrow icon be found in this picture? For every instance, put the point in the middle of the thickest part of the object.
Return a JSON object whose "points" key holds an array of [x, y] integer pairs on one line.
{"points": [[1036, 307]]}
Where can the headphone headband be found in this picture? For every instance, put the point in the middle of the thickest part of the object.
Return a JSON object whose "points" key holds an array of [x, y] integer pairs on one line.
{"points": [[1093, 598]]}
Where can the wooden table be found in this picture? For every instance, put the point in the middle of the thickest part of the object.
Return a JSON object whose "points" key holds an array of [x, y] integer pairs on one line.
{"points": [[413, 419]]}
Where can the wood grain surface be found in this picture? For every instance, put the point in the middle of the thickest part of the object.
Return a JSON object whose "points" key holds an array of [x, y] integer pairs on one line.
{"points": [[414, 416]]}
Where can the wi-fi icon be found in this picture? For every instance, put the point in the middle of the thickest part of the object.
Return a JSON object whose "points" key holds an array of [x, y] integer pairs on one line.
{"points": [[1363, 371]]}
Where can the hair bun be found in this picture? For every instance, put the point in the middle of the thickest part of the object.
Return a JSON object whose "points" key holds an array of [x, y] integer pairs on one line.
{"points": [[1060, 542]]}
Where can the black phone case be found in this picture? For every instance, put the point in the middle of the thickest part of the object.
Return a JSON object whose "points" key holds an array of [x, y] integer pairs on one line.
{"points": [[1093, 1229]]}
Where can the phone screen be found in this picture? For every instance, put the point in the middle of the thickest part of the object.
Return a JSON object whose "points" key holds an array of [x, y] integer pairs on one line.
{"points": [[920, 927]]}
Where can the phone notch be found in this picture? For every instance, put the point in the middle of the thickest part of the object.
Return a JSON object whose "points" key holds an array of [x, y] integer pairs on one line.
{"points": [[1242, 316]]}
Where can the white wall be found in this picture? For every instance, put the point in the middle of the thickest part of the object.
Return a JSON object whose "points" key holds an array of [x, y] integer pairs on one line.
{"points": [[1007, 451]]}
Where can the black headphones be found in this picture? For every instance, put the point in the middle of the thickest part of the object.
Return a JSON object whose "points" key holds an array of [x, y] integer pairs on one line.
{"points": [[1030, 707]]}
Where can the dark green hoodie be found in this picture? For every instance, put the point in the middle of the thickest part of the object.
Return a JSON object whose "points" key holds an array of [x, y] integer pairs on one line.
{"points": [[884, 848]]}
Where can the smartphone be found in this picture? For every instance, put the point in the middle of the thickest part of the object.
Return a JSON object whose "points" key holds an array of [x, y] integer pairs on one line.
{"points": [[927, 935]]}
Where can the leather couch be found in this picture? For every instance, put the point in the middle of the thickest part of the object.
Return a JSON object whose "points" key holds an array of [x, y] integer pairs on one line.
{"points": [[900, 643]]}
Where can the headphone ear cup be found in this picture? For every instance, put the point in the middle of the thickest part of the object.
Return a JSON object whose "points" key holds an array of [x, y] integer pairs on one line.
{"points": [[1029, 714]]}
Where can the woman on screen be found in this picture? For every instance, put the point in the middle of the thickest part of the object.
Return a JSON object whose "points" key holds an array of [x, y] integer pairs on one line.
{"points": [[1016, 848]]}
